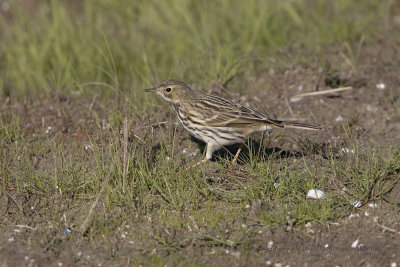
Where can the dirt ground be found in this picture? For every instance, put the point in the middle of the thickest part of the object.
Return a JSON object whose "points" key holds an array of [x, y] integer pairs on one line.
{"points": [[370, 109]]}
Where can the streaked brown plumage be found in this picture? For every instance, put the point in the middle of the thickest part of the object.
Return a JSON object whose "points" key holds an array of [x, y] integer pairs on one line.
{"points": [[216, 121]]}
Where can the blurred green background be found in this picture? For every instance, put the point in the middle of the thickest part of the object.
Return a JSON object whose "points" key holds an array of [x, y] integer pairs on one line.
{"points": [[64, 47]]}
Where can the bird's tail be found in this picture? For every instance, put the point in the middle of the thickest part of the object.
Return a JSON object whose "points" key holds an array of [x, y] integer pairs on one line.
{"points": [[299, 125]]}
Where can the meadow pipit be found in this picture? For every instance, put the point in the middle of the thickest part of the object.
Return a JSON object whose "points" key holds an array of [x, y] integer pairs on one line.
{"points": [[217, 121]]}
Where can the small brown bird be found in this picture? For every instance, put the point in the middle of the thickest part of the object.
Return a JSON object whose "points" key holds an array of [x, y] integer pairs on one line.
{"points": [[217, 121]]}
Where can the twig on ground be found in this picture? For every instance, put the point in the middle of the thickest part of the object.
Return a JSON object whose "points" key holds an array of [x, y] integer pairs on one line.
{"points": [[140, 139], [387, 228], [324, 92]]}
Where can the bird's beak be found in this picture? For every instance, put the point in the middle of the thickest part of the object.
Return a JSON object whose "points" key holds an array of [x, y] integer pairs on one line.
{"points": [[152, 90]]}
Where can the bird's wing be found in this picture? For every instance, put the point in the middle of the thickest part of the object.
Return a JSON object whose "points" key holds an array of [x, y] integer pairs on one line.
{"points": [[219, 112]]}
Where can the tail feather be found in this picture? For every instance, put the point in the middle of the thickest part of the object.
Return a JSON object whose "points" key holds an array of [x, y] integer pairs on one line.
{"points": [[299, 125]]}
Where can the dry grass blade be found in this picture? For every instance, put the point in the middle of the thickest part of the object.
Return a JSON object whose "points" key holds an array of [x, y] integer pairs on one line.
{"points": [[125, 153], [324, 92]]}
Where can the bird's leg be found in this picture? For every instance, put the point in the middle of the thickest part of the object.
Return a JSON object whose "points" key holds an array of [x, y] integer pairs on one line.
{"points": [[210, 149], [237, 155]]}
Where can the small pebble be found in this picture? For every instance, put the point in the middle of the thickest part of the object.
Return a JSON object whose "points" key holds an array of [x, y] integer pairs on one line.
{"points": [[339, 118], [296, 99], [373, 205], [326, 246], [381, 86], [354, 215], [354, 244], [356, 203], [277, 185], [315, 193], [346, 150]]}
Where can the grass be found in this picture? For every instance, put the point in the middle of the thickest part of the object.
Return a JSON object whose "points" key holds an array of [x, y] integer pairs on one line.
{"points": [[102, 55], [114, 48]]}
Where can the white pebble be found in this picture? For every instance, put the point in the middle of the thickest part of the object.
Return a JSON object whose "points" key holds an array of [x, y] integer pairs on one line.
{"points": [[346, 150], [373, 205], [356, 203], [123, 236], [270, 244], [326, 245], [354, 244], [296, 99], [48, 129], [339, 118], [393, 264], [247, 206], [366, 214], [184, 151], [268, 263], [11, 239], [315, 193], [354, 215], [87, 147], [381, 86]]}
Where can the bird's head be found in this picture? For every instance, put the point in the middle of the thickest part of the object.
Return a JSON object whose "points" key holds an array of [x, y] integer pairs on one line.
{"points": [[173, 91]]}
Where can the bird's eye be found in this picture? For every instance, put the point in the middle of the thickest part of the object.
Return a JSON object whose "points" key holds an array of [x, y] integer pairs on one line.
{"points": [[168, 90]]}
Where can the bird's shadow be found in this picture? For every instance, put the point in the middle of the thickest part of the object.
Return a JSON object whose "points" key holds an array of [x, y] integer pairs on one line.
{"points": [[254, 149]]}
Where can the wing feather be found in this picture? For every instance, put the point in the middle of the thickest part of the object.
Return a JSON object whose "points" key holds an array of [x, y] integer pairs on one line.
{"points": [[230, 114]]}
